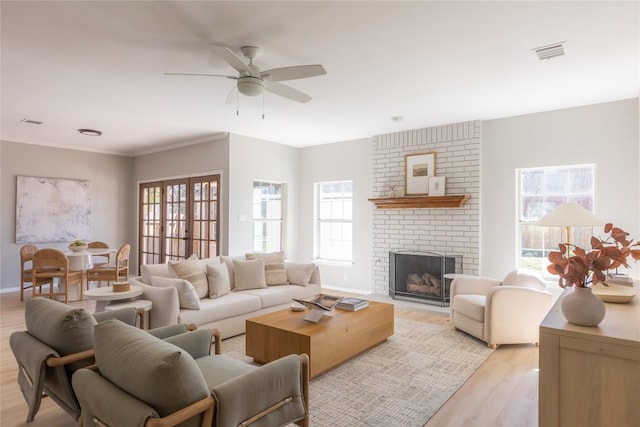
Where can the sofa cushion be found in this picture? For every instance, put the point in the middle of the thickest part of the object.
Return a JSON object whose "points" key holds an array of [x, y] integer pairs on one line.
{"points": [[249, 274], [525, 278], [274, 271], [299, 274], [160, 270], [230, 305], [156, 372], [470, 305], [193, 270], [218, 279], [186, 293], [64, 328], [273, 296], [228, 261]]}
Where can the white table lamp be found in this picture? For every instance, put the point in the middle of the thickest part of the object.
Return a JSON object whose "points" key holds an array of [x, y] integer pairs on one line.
{"points": [[569, 215]]}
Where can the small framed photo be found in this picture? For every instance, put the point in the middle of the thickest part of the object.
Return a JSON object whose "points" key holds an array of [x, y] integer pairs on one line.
{"points": [[436, 185], [417, 170]]}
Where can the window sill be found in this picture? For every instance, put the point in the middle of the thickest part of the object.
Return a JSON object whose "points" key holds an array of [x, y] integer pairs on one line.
{"points": [[337, 263]]}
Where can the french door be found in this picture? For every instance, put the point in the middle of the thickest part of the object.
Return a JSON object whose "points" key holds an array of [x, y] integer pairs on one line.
{"points": [[178, 217]]}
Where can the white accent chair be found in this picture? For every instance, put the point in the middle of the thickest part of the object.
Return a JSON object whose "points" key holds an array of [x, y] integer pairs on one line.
{"points": [[500, 312]]}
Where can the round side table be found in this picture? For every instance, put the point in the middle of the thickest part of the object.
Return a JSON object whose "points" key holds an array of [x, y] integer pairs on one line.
{"points": [[142, 306], [104, 296]]}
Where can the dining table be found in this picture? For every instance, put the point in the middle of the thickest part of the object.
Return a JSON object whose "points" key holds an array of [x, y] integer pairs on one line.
{"points": [[83, 260]]}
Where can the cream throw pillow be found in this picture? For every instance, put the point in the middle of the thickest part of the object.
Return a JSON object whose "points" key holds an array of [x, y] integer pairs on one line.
{"points": [[186, 293], [249, 274], [192, 270], [300, 274], [228, 261], [218, 278], [274, 271]]}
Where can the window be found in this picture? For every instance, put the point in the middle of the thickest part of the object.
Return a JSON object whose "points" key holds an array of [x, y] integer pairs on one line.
{"points": [[333, 220], [540, 191], [268, 218]]}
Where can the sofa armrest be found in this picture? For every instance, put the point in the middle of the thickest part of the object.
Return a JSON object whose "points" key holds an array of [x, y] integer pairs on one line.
{"points": [[472, 285], [196, 343], [275, 391], [512, 312], [165, 308]]}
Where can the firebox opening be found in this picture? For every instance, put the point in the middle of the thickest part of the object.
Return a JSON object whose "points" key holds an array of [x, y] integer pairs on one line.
{"points": [[420, 276]]}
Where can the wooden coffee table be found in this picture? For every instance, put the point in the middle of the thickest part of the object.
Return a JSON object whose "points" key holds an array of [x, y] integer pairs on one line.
{"points": [[331, 341]]}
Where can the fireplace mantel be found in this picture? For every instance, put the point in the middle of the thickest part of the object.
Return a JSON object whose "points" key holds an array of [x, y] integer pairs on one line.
{"points": [[454, 201]]}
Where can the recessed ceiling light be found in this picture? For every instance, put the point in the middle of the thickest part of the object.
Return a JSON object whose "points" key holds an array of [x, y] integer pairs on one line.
{"points": [[397, 119], [550, 51], [90, 132]]}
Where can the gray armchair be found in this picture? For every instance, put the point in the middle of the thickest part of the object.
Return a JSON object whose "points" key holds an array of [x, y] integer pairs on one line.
{"points": [[141, 380], [58, 341]]}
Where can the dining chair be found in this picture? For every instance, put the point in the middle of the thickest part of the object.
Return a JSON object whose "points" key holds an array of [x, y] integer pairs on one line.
{"points": [[103, 258], [26, 269], [51, 264], [115, 272]]}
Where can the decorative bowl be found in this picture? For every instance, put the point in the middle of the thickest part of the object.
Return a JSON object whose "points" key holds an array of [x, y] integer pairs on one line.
{"points": [[614, 293], [121, 286], [78, 248]]}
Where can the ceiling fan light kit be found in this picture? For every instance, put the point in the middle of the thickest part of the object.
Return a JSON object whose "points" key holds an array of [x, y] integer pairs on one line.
{"points": [[251, 81], [250, 86]]}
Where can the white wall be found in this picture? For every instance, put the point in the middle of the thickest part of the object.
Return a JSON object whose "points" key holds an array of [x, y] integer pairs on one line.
{"points": [[112, 196], [349, 160], [604, 134], [254, 159]]}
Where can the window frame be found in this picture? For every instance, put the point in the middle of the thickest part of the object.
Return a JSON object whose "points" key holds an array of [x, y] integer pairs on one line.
{"points": [[318, 223], [264, 220], [581, 235]]}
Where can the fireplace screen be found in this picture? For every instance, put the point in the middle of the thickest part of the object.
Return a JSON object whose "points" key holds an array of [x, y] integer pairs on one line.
{"points": [[420, 276]]}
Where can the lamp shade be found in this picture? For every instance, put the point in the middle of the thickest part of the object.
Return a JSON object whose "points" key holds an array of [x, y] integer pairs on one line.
{"points": [[570, 215]]}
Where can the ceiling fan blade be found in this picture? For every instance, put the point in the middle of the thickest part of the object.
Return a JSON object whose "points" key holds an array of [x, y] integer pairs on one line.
{"points": [[234, 60], [199, 74], [286, 91], [292, 73]]}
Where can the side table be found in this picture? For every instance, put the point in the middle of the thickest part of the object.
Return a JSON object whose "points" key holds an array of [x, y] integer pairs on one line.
{"points": [[142, 306], [104, 296]]}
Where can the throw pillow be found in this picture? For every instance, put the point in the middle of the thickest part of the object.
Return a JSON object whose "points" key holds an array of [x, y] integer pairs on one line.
{"points": [[186, 293], [218, 278], [228, 261], [192, 270], [274, 271], [300, 274], [160, 374], [149, 270], [249, 274]]}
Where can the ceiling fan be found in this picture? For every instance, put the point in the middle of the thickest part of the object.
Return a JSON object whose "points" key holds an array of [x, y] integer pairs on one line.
{"points": [[251, 81]]}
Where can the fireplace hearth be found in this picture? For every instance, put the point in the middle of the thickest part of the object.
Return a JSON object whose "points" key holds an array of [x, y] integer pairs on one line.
{"points": [[419, 276]]}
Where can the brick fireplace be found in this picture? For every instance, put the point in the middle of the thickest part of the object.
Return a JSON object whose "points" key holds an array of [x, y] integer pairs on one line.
{"points": [[444, 231]]}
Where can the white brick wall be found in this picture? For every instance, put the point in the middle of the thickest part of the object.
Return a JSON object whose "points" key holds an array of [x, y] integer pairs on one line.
{"points": [[444, 231]]}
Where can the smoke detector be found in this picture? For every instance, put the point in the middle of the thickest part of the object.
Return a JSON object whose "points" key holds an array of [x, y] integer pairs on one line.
{"points": [[550, 51]]}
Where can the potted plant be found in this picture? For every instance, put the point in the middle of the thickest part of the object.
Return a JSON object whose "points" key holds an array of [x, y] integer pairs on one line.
{"points": [[581, 269]]}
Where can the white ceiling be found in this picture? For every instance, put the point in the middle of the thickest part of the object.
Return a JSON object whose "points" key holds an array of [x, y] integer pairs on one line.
{"points": [[100, 65]]}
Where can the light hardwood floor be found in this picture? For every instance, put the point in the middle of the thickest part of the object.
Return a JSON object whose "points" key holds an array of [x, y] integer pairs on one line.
{"points": [[502, 392]]}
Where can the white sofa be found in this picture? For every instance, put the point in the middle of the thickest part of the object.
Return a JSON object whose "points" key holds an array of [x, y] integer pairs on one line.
{"points": [[505, 311], [227, 312]]}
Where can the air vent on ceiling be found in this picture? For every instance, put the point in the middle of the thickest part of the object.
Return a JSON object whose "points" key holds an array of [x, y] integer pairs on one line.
{"points": [[550, 51], [31, 122]]}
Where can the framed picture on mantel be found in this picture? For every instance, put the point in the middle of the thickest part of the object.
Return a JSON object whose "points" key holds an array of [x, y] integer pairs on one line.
{"points": [[417, 170]]}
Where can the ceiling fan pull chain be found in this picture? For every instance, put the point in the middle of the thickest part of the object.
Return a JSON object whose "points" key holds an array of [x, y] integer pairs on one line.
{"points": [[262, 105], [237, 103]]}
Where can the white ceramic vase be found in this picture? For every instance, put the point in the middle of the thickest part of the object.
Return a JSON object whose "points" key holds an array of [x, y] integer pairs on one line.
{"points": [[582, 307]]}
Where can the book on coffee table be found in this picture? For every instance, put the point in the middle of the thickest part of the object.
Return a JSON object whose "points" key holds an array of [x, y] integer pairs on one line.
{"points": [[321, 301], [352, 304]]}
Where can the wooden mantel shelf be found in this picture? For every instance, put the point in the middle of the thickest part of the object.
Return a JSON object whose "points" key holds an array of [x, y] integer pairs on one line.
{"points": [[456, 201]]}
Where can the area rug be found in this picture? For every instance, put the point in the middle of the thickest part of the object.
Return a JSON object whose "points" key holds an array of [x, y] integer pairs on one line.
{"points": [[401, 382]]}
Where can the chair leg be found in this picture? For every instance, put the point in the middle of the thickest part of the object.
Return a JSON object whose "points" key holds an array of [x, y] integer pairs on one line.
{"points": [[492, 346]]}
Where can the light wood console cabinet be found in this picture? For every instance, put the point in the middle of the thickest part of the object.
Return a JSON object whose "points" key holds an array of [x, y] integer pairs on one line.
{"points": [[590, 376]]}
